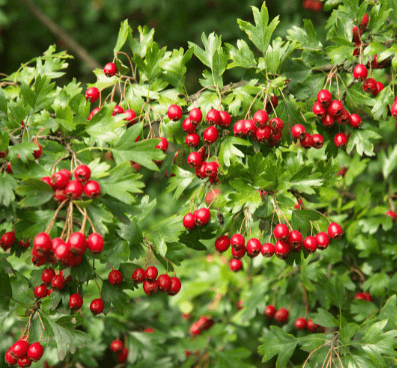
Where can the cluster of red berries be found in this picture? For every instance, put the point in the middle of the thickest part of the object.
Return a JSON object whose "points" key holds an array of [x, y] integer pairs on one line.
{"points": [[152, 284], [281, 315], [370, 85], [315, 5], [364, 296], [36, 153], [23, 354], [307, 140], [302, 323], [65, 188], [199, 217], [203, 323], [118, 348]]}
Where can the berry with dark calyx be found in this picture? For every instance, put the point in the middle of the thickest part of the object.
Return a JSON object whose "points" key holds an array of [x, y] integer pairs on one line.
{"points": [[295, 241], [360, 72], [238, 253], [311, 326], [343, 118], [300, 323], [59, 195], [379, 88], [123, 355], [95, 243], [392, 214], [75, 302], [213, 117], [24, 362], [192, 140], [188, 126], [37, 153], [131, 117], [335, 108], [175, 286], [92, 94], [110, 69], [237, 241], [270, 311], [263, 134], [249, 127], [74, 189], [267, 250], [164, 282], [238, 129], [40, 291], [319, 110], [195, 116], [222, 244], [47, 275], [138, 276], [82, 173], [116, 346], [151, 273], [253, 247], [214, 180], [42, 243], [324, 97], [97, 306], [281, 232], [322, 240], [174, 112], [194, 159], [77, 243], [355, 121], [298, 131], [92, 189], [276, 125], [201, 172], [19, 349], [211, 168], [281, 248], [335, 230], [310, 244], [328, 121], [188, 221], [210, 134], [115, 278], [202, 216], [307, 141], [9, 359], [281, 315], [364, 22], [274, 139], [318, 141], [7, 240], [369, 85], [58, 282], [340, 140], [368, 297], [225, 119], [360, 296], [150, 287], [59, 180], [235, 265], [260, 118], [62, 250]]}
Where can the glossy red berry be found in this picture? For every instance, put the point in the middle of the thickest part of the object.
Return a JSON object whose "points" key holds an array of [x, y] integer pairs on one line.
{"points": [[40, 291], [369, 85], [92, 94], [368, 297], [194, 159], [213, 179], [340, 140], [238, 129], [131, 117], [9, 359], [270, 311], [298, 131], [116, 346], [75, 302], [311, 326], [295, 241], [378, 65], [192, 140], [237, 241], [47, 275], [328, 121], [115, 278], [276, 125], [77, 243], [324, 97], [97, 306], [74, 189], [164, 283], [335, 108], [174, 112], [19, 349], [202, 216], [95, 243], [59, 180], [307, 141], [110, 69], [310, 244], [188, 126], [138, 276], [238, 253], [59, 195], [188, 221], [281, 232], [260, 118], [281, 315], [360, 72], [355, 121], [392, 214], [93, 112], [150, 287], [225, 119], [235, 265], [92, 189], [82, 173], [123, 355], [318, 141], [300, 323], [253, 247], [360, 296], [343, 118], [393, 110], [163, 145], [117, 110], [267, 250], [210, 134], [319, 110], [62, 249], [335, 230], [195, 116], [213, 117], [263, 134], [364, 22], [151, 273], [37, 153], [24, 362], [222, 244], [379, 88], [322, 240], [58, 282], [42, 243], [200, 171], [211, 168], [175, 286], [281, 248], [7, 240]]}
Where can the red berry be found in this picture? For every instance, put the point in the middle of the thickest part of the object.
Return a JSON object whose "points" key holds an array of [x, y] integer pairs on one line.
{"points": [[110, 69], [40, 291], [92, 189], [222, 244], [188, 126], [379, 87], [344, 117], [360, 296], [93, 112], [77, 243], [174, 112], [9, 359], [300, 323], [311, 326], [281, 315], [61, 250], [335, 230], [276, 125], [364, 22], [324, 97], [210, 134], [95, 243], [115, 277], [8, 167], [213, 117], [47, 180], [369, 85], [138, 276], [281, 232], [318, 141], [58, 282], [24, 362], [225, 119], [164, 282], [42, 243], [175, 286], [96, 306], [92, 94], [75, 302], [202, 216], [47, 275], [328, 121], [340, 140], [37, 153], [59, 195], [35, 352], [19, 349], [116, 346], [163, 145], [201, 171], [319, 110], [394, 110], [123, 355], [211, 168], [322, 240], [131, 117], [360, 72], [188, 221], [273, 101], [59, 180], [281, 248], [194, 159], [355, 121], [392, 214], [253, 247], [298, 131], [310, 244], [368, 297], [270, 311], [263, 134], [235, 265], [260, 118], [237, 241], [335, 108], [377, 65], [150, 287], [307, 141], [238, 129], [7, 240], [74, 189], [117, 110], [295, 241], [356, 34], [82, 173], [151, 273], [195, 116], [238, 253], [192, 140], [267, 250]]}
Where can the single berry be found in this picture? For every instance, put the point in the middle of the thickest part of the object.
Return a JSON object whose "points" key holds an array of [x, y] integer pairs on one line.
{"points": [[131, 117], [211, 168], [267, 250], [58, 282], [42, 243], [92, 189], [117, 110], [82, 173], [260, 118], [364, 22], [150, 287], [300, 323], [164, 283], [238, 129], [340, 140], [360, 72], [310, 244], [225, 119], [253, 247], [319, 110], [263, 134], [96, 306], [123, 355], [59, 195], [318, 141], [110, 69], [74, 189], [138, 276], [335, 108], [8, 239], [174, 112], [9, 359], [77, 243], [93, 112], [188, 126], [344, 117], [281, 248], [151, 273], [213, 117], [59, 180], [116, 346], [188, 221], [235, 265], [270, 311], [175, 286], [47, 275], [355, 121], [210, 134], [92, 94], [163, 145], [328, 121], [272, 104], [47, 180], [324, 97], [75, 302], [369, 85], [238, 253], [356, 34], [298, 131], [392, 214], [360, 296], [322, 240], [195, 116], [202, 216], [222, 244], [276, 125], [335, 230], [237, 241], [281, 232], [8, 168], [61, 250], [368, 297], [379, 87], [24, 362], [115, 277], [40, 291], [200, 171], [37, 153], [19, 349], [295, 241], [311, 326], [95, 243], [281, 315], [194, 159], [394, 110], [192, 140], [307, 141]]}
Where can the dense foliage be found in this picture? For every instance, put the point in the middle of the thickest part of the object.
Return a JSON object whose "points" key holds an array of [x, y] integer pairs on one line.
{"points": [[249, 224]]}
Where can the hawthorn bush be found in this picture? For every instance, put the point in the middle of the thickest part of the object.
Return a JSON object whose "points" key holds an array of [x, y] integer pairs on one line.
{"points": [[246, 225]]}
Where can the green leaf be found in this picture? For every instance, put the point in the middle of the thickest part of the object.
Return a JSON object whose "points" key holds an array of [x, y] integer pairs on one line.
{"points": [[151, 65], [124, 32], [300, 220], [324, 318], [296, 70], [117, 297], [360, 140], [7, 187], [377, 284], [219, 65], [130, 232], [24, 150], [167, 230], [28, 94], [333, 291], [242, 56], [228, 152], [34, 196], [180, 181], [116, 252], [307, 37], [3, 102], [175, 66], [390, 162], [212, 43], [145, 39], [5, 290], [389, 311], [261, 33]]}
